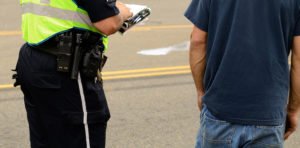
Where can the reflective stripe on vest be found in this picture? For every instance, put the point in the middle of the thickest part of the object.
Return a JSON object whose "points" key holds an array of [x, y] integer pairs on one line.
{"points": [[52, 12], [45, 1], [42, 19]]}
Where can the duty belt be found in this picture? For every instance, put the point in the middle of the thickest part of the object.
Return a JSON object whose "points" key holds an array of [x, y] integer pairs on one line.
{"points": [[76, 51]]}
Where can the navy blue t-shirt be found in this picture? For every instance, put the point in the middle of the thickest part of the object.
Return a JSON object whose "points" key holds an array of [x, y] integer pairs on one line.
{"points": [[99, 9], [247, 73]]}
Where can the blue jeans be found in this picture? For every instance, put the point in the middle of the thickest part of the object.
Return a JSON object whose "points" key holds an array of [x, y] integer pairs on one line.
{"points": [[215, 133]]}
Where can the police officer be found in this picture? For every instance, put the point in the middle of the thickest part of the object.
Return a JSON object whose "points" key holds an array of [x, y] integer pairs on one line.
{"points": [[65, 103]]}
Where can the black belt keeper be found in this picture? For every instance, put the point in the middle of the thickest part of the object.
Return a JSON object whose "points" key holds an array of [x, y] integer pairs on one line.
{"points": [[76, 51]]}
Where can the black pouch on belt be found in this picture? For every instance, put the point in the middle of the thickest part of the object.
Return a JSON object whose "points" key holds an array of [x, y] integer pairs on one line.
{"points": [[91, 63]]}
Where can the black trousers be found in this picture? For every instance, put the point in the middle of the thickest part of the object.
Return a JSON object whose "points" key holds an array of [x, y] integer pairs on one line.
{"points": [[62, 113]]}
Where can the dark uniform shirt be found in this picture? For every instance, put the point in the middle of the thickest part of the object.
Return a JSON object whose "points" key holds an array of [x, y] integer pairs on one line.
{"points": [[249, 41], [98, 9]]}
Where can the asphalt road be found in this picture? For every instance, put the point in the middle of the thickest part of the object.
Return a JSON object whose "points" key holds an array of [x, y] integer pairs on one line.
{"points": [[151, 107]]}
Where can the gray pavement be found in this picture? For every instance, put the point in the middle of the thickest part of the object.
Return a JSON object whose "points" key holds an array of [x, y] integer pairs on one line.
{"points": [[153, 112]]}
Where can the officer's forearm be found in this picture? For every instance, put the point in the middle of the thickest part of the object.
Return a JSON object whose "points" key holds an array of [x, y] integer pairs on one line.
{"points": [[112, 24], [294, 100], [198, 58], [109, 25]]}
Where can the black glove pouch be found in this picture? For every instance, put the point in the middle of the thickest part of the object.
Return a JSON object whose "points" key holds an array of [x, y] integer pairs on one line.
{"points": [[91, 63]]}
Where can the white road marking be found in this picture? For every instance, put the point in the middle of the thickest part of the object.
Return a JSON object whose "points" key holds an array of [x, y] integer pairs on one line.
{"points": [[166, 50]]}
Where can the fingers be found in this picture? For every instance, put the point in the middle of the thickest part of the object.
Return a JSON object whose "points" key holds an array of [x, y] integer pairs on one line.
{"points": [[200, 104], [288, 133], [291, 124], [200, 107], [124, 10], [119, 4]]}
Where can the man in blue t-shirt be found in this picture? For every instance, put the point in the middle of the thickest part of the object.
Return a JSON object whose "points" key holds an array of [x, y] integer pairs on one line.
{"points": [[239, 56]]}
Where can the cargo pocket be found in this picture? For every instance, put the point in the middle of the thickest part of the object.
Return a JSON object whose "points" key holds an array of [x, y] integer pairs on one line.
{"points": [[217, 133], [45, 80]]}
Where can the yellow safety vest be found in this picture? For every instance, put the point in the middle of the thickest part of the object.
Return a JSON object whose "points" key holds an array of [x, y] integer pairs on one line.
{"points": [[42, 19]]}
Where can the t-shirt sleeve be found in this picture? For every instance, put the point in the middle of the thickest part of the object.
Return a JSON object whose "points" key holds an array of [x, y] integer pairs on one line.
{"points": [[100, 9], [297, 27], [198, 14]]}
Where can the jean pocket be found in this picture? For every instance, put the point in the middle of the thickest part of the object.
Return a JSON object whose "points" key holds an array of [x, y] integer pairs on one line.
{"points": [[268, 136], [202, 112], [216, 133], [263, 145], [271, 127]]}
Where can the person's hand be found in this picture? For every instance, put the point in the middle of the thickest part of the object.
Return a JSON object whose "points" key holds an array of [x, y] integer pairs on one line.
{"points": [[124, 10], [291, 123], [200, 103]]}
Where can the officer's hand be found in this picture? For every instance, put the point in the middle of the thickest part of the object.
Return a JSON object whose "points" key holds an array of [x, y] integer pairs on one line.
{"points": [[291, 124], [124, 10]]}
